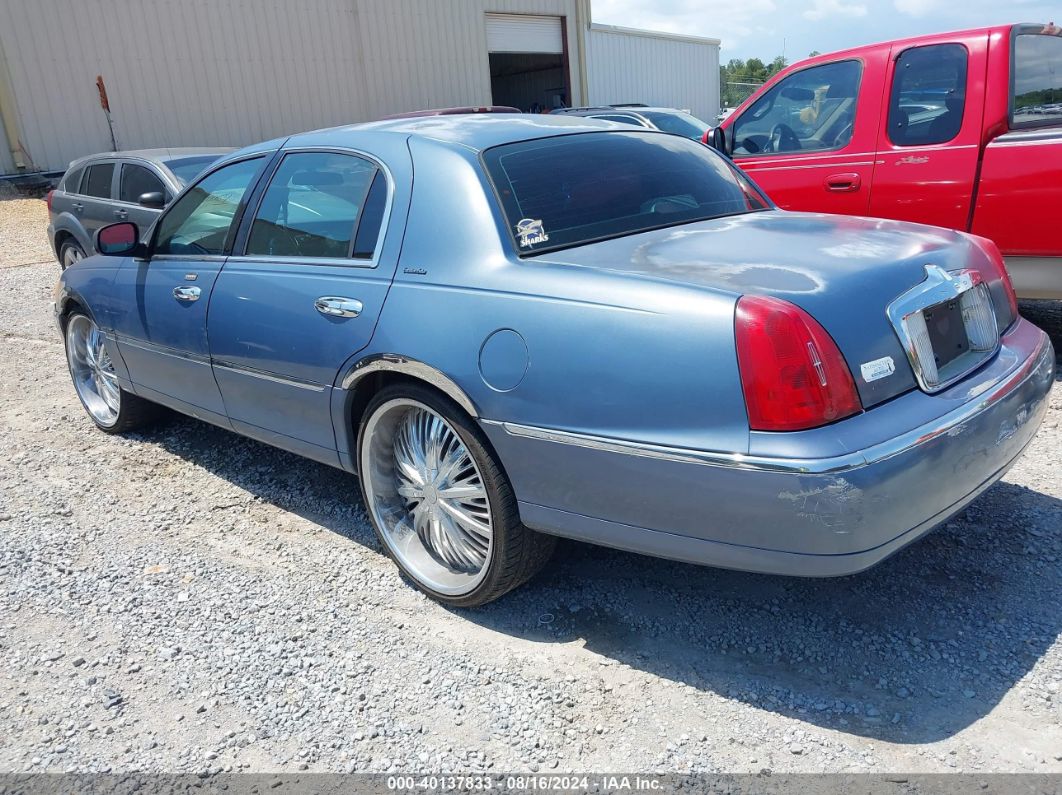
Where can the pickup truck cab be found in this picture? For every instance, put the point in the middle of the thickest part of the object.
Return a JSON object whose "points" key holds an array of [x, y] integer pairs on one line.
{"points": [[961, 130]]}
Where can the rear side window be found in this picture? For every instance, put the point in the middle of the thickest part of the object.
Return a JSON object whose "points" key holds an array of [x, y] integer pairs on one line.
{"points": [[1037, 80], [72, 181], [928, 95], [312, 206], [98, 180], [136, 181], [575, 189]]}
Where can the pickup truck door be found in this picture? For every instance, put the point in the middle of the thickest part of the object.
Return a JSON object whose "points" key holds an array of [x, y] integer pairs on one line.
{"points": [[302, 293], [929, 144], [809, 140], [161, 303]]}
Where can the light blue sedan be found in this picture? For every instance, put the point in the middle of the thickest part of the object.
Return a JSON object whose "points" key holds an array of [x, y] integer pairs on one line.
{"points": [[514, 328]]}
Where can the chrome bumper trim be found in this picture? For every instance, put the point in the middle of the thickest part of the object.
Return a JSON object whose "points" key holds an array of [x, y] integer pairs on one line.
{"points": [[1030, 368]]}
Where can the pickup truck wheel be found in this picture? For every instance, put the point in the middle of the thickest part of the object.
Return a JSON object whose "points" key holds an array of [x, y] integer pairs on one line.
{"points": [[108, 405], [69, 253], [440, 502]]}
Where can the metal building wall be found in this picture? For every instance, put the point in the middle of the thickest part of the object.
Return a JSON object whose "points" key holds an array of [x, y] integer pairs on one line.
{"points": [[626, 65], [232, 72]]}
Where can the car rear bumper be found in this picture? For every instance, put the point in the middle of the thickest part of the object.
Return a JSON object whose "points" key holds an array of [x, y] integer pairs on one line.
{"points": [[809, 516]]}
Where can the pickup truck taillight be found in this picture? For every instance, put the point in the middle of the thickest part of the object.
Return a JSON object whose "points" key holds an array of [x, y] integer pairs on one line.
{"points": [[792, 373], [998, 269]]}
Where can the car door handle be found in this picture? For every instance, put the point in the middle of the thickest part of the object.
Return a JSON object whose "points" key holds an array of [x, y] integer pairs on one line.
{"points": [[78, 207], [843, 183], [121, 214], [187, 294], [337, 306]]}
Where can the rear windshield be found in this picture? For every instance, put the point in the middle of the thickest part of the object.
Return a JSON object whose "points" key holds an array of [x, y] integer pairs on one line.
{"points": [[574, 189], [677, 122], [188, 168], [1037, 80]]}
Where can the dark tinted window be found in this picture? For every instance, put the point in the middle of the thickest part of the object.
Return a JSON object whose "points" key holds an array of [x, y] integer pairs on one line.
{"points": [[311, 206], [1037, 79], [200, 221], [677, 122], [371, 219], [812, 110], [928, 95], [622, 119], [137, 180], [188, 168], [98, 180], [72, 181], [574, 189]]}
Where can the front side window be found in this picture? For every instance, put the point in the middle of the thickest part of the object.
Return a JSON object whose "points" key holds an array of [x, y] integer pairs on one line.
{"points": [[135, 181], [812, 110], [574, 189], [928, 95], [312, 206], [1037, 81], [200, 222], [97, 180]]}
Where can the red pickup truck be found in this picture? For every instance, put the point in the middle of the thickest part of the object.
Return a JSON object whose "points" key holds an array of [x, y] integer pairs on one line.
{"points": [[962, 130]]}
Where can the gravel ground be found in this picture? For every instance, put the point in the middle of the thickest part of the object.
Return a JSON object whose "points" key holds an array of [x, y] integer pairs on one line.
{"points": [[23, 239], [188, 600]]}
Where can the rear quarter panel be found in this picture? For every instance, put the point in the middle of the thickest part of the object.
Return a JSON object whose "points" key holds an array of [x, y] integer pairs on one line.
{"points": [[580, 349]]}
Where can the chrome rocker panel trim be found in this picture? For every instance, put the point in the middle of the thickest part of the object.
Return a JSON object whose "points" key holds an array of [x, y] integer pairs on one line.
{"points": [[801, 466]]}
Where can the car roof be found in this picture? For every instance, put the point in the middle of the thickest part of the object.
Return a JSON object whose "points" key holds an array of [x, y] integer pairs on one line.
{"points": [[473, 131], [159, 155]]}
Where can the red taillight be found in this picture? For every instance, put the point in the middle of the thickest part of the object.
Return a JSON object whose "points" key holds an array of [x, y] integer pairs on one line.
{"points": [[999, 267], [793, 375], [48, 200]]}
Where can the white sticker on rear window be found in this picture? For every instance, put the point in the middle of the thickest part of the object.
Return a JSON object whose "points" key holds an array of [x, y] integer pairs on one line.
{"points": [[530, 232], [879, 368]]}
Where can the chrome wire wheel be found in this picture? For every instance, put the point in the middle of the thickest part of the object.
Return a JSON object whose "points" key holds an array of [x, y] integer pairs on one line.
{"points": [[92, 370], [427, 496]]}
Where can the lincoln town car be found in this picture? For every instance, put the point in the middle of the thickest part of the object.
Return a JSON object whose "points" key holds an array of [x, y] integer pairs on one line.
{"points": [[513, 328]]}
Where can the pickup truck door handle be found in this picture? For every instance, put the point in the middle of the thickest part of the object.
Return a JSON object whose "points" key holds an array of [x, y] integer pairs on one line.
{"points": [[843, 183], [337, 306], [187, 294]]}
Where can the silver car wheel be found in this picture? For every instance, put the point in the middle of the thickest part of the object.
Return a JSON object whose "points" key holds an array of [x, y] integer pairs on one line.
{"points": [[92, 370], [427, 496], [71, 255]]}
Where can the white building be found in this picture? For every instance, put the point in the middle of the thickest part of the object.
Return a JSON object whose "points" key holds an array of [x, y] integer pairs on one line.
{"points": [[232, 72]]}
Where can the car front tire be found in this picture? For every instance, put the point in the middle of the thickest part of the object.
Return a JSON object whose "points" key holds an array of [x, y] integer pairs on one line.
{"points": [[110, 407], [439, 500]]}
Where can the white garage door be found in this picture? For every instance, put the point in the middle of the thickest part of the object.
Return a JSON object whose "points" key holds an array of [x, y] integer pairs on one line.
{"points": [[524, 33]]}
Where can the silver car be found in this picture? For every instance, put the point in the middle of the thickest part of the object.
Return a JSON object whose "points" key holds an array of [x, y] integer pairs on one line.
{"points": [[117, 186]]}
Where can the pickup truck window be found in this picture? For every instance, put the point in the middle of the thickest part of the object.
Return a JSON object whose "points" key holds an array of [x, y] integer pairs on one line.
{"points": [[928, 95], [1037, 81], [812, 110]]}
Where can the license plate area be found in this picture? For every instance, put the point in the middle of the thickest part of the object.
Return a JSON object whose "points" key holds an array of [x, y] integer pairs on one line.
{"points": [[947, 332]]}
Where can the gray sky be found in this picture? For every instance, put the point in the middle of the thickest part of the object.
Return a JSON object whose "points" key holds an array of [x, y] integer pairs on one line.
{"points": [[757, 27]]}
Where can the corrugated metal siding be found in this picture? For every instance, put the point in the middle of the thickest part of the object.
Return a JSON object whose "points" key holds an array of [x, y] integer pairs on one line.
{"points": [[671, 72], [232, 72]]}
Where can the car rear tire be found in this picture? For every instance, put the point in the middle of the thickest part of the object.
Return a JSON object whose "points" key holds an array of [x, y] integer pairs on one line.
{"points": [[70, 253], [110, 407], [439, 500]]}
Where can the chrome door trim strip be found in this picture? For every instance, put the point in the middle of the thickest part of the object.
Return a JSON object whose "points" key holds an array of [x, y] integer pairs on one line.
{"points": [[162, 350], [235, 368], [1032, 367]]}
